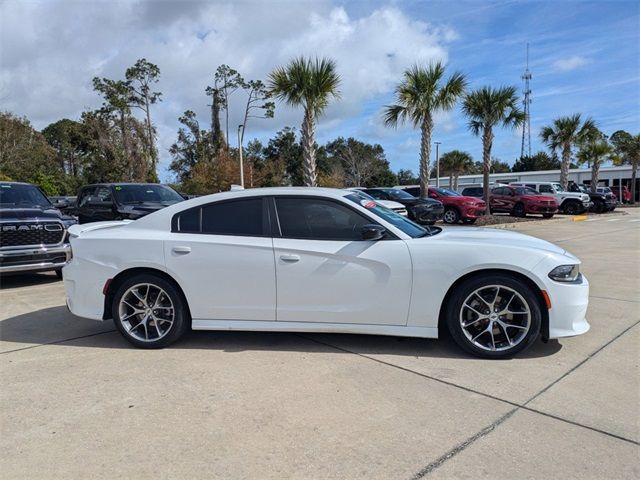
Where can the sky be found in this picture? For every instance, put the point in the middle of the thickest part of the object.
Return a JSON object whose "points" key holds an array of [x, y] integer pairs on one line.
{"points": [[584, 58]]}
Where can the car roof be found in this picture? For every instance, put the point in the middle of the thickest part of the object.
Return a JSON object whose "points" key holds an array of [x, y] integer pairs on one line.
{"points": [[16, 183]]}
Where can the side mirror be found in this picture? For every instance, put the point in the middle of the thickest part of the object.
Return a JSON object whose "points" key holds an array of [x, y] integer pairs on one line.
{"points": [[373, 232]]}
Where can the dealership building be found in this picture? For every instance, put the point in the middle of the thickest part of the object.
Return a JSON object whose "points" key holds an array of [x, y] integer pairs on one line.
{"points": [[611, 177]]}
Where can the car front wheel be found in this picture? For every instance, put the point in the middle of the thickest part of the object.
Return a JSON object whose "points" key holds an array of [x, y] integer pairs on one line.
{"points": [[451, 216], [149, 311], [494, 316]]}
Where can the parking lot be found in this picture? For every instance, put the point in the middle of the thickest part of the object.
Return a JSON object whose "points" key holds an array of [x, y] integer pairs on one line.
{"points": [[78, 401]]}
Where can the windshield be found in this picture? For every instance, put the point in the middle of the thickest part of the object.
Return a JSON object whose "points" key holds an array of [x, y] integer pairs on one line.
{"points": [[135, 194], [22, 196], [407, 226], [446, 193], [526, 191], [396, 194], [557, 187]]}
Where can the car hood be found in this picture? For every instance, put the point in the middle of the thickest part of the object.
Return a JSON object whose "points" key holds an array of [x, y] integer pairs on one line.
{"points": [[33, 213], [495, 237], [466, 199]]}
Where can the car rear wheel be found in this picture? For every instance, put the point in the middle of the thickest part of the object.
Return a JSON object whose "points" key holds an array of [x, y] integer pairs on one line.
{"points": [[149, 311], [519, 210], [494, 316], [451, 216]]}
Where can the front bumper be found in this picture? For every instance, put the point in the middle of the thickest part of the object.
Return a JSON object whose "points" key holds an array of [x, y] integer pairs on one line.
{"points": [[473, 212], [533, 208], [35, 259], [569, 302]]}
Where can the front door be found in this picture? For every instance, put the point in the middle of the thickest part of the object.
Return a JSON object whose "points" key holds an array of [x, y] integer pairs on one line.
{"points": [[222, 256], [326, 273]]}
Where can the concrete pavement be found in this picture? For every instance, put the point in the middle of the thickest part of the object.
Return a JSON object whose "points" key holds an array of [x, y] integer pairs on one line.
{"points": [[77, 401]]}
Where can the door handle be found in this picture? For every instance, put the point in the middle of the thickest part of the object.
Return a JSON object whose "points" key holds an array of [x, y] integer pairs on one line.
{"points": [[290, 258], [181, 250]]}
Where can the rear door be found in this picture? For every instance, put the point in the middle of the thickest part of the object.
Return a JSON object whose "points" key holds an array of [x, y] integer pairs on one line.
{"points": [[326, 273], [497, 200], [222, 255]]}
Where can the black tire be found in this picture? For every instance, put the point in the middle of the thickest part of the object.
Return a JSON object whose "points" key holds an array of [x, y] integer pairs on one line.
{"points": [[430, 223], [547, 215], [469, 221], [59, 274], [598, 206], [451, 216], [571, 208], [509, 283], [519, 210], [181, 319]]}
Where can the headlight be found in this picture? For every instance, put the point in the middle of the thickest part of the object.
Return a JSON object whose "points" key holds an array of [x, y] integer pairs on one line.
{"points": [[565, 273]]}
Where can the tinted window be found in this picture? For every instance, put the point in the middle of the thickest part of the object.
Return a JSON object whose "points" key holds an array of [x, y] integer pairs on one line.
{"points": [[236, 217], [415, 191], [18, 195], [545, 189], [189, 221], [104, 194], [318, 219], [377, 194], [499, 191], [84, 196], [142, 193], [526, 191], [403, 223]]}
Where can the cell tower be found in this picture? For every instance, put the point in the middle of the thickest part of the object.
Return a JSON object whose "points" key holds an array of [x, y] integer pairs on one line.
{"points": [[526, 129]]}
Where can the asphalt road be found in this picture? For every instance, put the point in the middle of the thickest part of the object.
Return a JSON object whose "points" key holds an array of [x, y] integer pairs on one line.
{"points": [[76, 401]]}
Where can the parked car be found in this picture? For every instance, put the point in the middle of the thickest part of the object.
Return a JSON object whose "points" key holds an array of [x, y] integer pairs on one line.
{"points": [[621, 192], [33, 233], [457, 207], [65, 204], [600, 202], [608, 193], [519, 201], [571, 203], [118, 201], [321, 260], [391, 205], [421, 210]]}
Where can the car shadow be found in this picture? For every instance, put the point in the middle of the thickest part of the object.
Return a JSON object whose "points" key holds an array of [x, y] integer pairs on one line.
{"points": [[18, 280], [57, 326]]}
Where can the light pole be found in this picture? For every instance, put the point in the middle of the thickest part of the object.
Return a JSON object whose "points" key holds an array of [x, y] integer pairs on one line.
{"points": [[438, 164], [240, 127]]}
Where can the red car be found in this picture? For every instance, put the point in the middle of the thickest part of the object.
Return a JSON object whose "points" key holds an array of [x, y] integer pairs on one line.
{"points": [[519, 201], [456, 207]]}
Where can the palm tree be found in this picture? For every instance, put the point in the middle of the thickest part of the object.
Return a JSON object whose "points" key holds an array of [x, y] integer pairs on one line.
{"points": [[421, 94], [628, 149], [310, 84], [565, 133], [595, 152], [487, 108], [455, 163]]}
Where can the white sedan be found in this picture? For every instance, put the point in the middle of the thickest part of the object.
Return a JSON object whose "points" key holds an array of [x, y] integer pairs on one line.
{"points": [[321, 260]]}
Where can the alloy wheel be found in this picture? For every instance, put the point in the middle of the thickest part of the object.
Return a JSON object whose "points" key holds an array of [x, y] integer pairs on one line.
{"points": [[495, 318], [146, 312]]}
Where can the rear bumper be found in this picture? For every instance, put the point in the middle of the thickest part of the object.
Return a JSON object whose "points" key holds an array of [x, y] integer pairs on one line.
{"points": [[38, 259]]}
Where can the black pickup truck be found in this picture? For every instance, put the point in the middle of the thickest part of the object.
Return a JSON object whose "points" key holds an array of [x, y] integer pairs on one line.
{"points": [[120, 201], [33, 233]]}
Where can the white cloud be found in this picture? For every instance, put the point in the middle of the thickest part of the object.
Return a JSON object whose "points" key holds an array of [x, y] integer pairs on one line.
{"points": [[571, 63], [49, 52]]}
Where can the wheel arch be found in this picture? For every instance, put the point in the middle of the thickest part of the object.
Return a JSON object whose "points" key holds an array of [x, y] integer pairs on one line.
{"points": [[116, 281], [544, 328]]}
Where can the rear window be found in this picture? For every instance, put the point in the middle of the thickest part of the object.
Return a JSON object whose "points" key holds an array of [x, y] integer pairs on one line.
{"points": [[236, 217]]}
